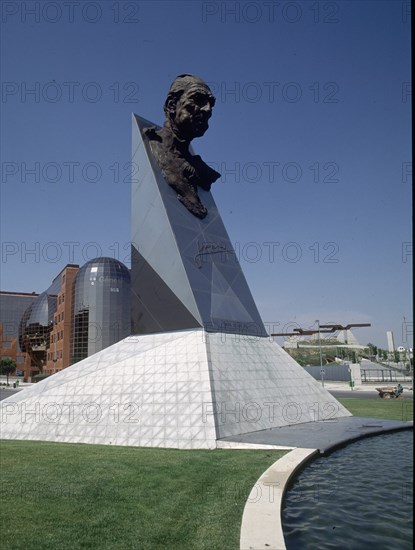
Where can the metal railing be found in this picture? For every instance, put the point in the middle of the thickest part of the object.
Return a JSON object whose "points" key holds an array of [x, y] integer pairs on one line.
{"points": [[384, 375]]}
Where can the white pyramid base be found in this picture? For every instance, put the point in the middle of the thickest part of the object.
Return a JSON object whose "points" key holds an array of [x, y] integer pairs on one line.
{"points": [[184, 389]]}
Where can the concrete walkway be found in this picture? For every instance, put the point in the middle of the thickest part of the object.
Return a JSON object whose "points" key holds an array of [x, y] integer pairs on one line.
{"points": [[323, 436], [261, 525]]}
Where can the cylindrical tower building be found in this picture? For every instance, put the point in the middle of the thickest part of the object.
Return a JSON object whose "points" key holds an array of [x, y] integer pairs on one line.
{"points": [[101, 307]]}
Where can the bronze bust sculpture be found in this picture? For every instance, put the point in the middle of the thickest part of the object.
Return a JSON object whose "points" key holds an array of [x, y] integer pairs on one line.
{"points": [[188, 108]]}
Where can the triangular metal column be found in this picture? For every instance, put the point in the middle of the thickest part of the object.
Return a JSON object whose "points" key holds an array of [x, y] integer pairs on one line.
{"points": [[185, 273]]}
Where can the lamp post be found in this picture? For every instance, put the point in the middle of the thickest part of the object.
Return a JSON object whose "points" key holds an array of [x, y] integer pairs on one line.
{"points": [[54, 351], [321, 356], [54, 323]]}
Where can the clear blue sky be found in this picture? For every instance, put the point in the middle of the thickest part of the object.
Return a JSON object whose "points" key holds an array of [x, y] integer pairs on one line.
{"points": [[311, 131]]}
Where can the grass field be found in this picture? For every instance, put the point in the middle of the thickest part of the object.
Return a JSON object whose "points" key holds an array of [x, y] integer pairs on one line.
{"points": [[56, 496], [60, 496], [391, 409]]}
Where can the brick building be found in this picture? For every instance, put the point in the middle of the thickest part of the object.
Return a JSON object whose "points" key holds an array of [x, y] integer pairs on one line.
{"points": [[83, 311]]}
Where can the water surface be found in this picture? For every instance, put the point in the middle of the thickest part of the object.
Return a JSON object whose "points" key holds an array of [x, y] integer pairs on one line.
{"points": [[358, 497]]}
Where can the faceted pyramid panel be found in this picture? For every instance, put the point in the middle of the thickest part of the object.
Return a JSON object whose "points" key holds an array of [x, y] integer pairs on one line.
{"points": [[185, 273], [183, 389], [143, 391], [257, 385]]}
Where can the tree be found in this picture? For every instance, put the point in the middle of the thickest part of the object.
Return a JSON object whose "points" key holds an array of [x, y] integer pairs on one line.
{"points": [[340, 353], [7, 366], [373, 350]]}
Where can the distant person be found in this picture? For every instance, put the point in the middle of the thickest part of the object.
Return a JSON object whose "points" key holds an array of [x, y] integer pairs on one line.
{"points": [[398, 390]]}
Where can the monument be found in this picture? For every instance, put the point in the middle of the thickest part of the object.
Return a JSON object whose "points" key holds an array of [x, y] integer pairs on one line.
{"points": [[199, 366], [184, 270]]}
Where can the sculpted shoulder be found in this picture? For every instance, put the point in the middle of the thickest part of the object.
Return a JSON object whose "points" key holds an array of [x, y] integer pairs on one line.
{"points": [[188, 108]]}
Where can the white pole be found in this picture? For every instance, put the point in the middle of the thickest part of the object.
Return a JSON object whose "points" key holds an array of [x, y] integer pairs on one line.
{"points": [[321, 356], [54, 353]]}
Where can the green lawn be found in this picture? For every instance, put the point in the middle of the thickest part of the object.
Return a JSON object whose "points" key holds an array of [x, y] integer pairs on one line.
{"points": [[61, 496], [390, 409], [57, 495]]}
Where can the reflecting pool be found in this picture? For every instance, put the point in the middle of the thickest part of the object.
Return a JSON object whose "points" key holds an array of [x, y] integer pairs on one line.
{"points": [[358, 497]]}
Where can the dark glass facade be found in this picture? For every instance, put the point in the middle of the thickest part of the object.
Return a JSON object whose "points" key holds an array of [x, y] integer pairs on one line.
{"points": [[38, 317], [12, 307], [35, 328], [101, 307]]}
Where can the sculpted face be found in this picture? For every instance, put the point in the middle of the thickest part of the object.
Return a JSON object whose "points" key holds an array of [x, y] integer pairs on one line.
{"points": [[188, 108], [192, 112]]}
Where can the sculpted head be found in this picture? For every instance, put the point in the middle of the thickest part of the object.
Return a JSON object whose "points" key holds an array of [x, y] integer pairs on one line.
{"points": [[188, 107]]}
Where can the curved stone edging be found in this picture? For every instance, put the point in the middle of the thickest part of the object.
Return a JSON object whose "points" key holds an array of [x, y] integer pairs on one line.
{"points": [[240, 446], [261, 521]]}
